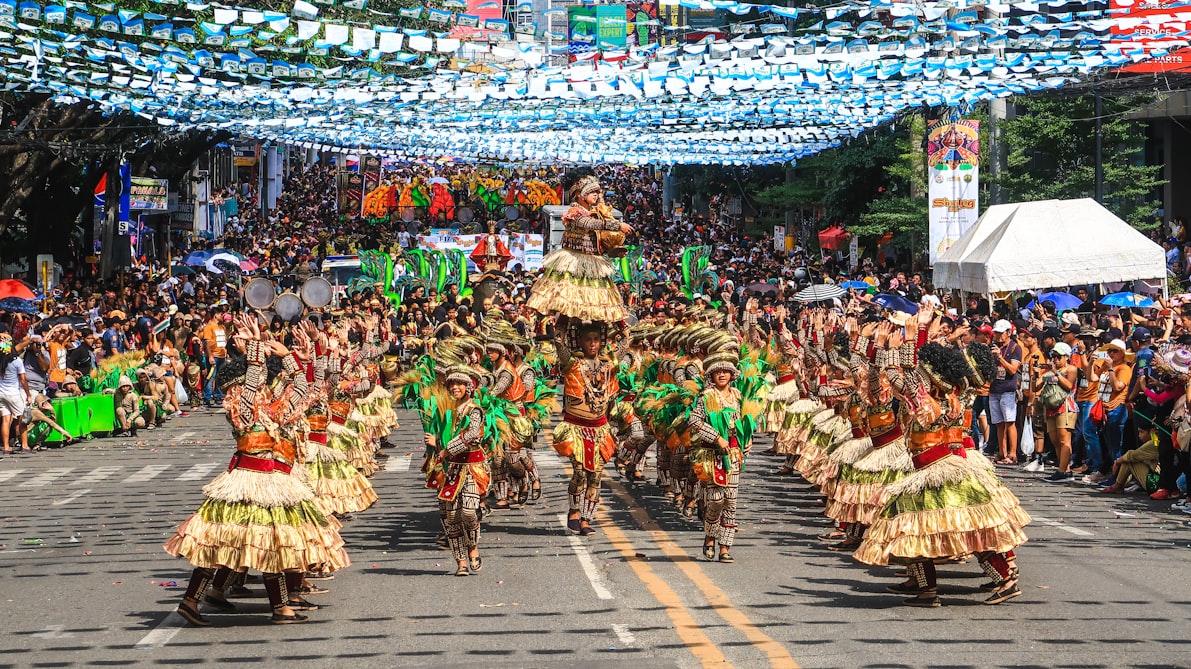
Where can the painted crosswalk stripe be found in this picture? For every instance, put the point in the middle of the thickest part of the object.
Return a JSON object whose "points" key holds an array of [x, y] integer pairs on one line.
{"points": [[96, 475], [398, 463], [147, 473], [73, 497], [182, 436], [548, 459], [46, 477], [198, 472], [10, 474]]}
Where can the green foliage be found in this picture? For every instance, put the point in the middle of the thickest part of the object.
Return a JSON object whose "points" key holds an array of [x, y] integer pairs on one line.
{"points": [[858, 174], [804, 191], [1052, 155], [905, 217], [903, 210]]}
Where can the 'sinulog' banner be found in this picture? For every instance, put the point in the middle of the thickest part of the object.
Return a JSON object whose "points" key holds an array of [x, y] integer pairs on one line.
{"points": [[953, 168]]}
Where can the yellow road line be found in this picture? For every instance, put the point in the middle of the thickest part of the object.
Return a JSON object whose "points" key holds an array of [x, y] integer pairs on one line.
{"points": [[688, 631], [779, 657]]}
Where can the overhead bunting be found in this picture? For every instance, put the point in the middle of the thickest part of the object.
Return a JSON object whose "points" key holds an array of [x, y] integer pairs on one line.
{"points": [[409, 85]]}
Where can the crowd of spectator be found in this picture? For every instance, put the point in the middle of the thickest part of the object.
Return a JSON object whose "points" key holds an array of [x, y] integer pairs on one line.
{"points": [[1091, 394]]}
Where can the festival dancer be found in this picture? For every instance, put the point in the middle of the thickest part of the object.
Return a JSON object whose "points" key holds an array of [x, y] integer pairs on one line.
{"points": [[577, 286], [466, 475], [589, 391], [256, 515], [507, 384], [947, 507], [577, 281], [721, 440], [631, 437], [340, 487], [539, 405], [876, 458]]}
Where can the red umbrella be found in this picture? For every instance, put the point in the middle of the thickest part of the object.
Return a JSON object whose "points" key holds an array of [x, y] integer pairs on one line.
{"points": [[16, 288]]}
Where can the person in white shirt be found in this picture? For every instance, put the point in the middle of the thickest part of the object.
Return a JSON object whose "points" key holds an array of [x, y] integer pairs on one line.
{"points": [[14, 394]]}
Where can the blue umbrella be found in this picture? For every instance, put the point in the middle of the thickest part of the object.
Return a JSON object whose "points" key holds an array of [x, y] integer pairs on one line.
{"points": [[1063, 301], [197, 258], [18, 305], [1127, 300], [855, 285], [896, 302]]}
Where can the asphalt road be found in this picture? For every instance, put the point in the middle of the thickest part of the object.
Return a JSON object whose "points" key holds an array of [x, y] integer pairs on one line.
{"points": [[84, 581]]}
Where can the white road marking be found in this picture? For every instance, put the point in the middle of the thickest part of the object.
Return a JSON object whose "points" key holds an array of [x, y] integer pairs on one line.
{"points": [[10, 474], [398, 463], [198, 472], [46, 477], [182, 436], [162, 633], [597, 581], [626, 637], [548, 459], [146, 473], [68, 500], [1066, 528], [53, 632], [96, 475]]}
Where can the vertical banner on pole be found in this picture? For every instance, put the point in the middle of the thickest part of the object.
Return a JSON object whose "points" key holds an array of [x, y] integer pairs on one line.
{"points": [[953, 171], [370, 166], [99, 213], [125, 198], [779, 238]]}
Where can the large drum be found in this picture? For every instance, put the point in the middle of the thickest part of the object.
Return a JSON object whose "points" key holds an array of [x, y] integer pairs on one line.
{"points": [[317, 292], [260, 293], [288, 306]]}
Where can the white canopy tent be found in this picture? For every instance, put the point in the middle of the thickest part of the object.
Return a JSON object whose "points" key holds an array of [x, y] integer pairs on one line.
{"points": [[1045, 244]]}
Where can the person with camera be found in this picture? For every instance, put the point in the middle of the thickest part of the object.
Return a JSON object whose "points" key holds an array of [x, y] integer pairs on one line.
{"points": [[35, 356], [1002, 395], [80, 360], [1054, 385], [1113, 389]]}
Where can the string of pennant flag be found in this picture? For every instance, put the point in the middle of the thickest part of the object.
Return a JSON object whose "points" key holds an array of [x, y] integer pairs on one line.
{"points": [[763, 96]]}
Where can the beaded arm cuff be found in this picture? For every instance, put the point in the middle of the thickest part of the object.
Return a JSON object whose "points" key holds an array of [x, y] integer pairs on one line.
{"points": [[860, 345], [909, 354], [504, 379], [699, 424]]}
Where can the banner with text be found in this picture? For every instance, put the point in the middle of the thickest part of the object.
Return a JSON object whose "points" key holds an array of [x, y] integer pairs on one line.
{"points": [[953, 169]]}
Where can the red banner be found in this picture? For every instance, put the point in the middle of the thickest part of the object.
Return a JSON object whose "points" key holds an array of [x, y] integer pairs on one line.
{"points": [[1134, 31]]}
